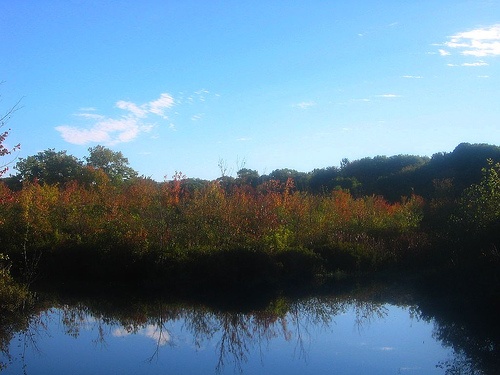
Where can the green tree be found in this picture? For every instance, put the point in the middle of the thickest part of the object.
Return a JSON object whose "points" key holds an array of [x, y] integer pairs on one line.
{"points": [[480, 203], [300, 179], [248, 177], [323, 180], [50, 167], [114, 164]]}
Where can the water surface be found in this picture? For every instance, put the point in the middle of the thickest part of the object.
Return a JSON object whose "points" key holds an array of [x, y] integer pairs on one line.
{"points": [[353, 333]]}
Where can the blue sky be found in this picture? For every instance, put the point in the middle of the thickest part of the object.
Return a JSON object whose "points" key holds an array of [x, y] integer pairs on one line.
{"points": [[182, 85]]}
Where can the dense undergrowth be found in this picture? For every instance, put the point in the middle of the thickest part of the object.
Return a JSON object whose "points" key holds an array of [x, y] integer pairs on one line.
{"points": [[149, 230], [169, 235]]}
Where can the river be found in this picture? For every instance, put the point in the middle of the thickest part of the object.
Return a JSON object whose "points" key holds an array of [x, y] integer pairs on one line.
{"points": [[368, 329]]}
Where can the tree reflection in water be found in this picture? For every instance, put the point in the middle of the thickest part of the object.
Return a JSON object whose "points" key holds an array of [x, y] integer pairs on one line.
{"points": [[235, 334], [28, 327]]}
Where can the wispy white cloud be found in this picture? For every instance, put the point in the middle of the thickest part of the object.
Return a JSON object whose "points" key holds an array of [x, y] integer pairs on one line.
{"points": [[108, 131], [244, 139], [412, 77], [479, 63], [158, 106], [305, 105], [111, 131], [202, 94], [389, 96], [90, 116], [479, 42], [386, 348], [132, 107]]}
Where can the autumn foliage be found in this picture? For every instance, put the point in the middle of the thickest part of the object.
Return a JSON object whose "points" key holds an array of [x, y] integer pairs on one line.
{"points": [[144, 226]]}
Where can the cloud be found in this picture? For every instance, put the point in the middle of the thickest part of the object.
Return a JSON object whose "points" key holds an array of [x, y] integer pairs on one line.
{"points": [[412, 77], [132, 107], [202, 94], [389, 96], [479, 42], [305, 105], [158, 106], [386, 348], [108, 131], [479, 63], [443, 52], [195, 97], [111, 131], [92, 116]]}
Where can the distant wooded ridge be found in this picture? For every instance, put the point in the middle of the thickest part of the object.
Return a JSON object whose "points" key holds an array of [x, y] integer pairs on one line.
{"points": [[389, 176]]}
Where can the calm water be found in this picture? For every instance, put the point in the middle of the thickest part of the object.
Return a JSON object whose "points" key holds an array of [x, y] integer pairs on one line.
{"points": [[353, 333]]}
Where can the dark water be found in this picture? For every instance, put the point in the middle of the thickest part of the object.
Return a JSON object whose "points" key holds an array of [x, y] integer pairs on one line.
{"points": [[372, 330]]}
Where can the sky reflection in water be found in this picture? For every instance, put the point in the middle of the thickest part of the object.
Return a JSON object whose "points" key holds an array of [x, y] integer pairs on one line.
{"points": [[311, 336]]}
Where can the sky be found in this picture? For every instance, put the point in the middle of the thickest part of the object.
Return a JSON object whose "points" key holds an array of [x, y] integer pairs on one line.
{"points": [[192, 85]]}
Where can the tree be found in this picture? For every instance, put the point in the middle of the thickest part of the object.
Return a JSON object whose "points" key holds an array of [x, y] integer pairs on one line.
{"points": [[50, 167], [344, 163], [248, 177], [114, 164], [4, 150], [300, 179], [322, 180], [12, 295], [480, 203]]}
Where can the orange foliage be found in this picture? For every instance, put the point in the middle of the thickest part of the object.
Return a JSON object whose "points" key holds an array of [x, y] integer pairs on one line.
{"points": [[144, 216]]}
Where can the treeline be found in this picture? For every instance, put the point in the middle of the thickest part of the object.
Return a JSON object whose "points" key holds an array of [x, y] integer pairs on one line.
{"points": [[392, 177], [97, 220]]}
